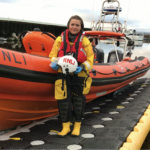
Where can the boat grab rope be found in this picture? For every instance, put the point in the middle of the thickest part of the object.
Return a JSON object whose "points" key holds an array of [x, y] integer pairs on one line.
{"points": [[115, 71], [49, 35], [104, 36], [24, 33], [22, 36]]}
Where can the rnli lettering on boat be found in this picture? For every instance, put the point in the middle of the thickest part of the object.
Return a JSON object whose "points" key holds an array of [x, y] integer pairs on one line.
{"points": [[10, 57], [69, 61]]}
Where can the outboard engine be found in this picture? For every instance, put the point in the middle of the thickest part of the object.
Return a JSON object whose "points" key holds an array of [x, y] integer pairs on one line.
{"points": [[100, 56], [36, 29], [112, 56], [37, 42]]}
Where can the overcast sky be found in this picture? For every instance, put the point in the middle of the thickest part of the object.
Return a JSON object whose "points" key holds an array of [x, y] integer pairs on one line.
{"points": [[136, 12]]}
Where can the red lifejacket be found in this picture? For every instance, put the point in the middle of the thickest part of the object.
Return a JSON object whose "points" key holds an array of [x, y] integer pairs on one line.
{"points": [[76, 48]]}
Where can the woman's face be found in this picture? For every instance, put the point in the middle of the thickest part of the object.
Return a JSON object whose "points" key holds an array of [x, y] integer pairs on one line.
{"points": [[74, 26]]}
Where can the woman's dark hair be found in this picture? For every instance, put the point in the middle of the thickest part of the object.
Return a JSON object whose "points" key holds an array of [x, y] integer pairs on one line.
{"points": [[78, 18]]}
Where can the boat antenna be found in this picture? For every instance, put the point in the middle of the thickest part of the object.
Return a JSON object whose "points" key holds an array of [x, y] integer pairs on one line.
{"points": [[93, 10], [128, 11]]}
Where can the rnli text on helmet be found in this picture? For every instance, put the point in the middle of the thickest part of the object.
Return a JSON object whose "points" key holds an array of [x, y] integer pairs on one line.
{"points": [[67, 60]]}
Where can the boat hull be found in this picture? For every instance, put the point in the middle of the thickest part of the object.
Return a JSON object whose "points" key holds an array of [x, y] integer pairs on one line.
{"points": [[18, 112], [27, 85]]}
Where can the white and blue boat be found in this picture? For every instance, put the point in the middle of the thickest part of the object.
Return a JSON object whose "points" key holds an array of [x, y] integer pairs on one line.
{"points": [[112, 9]]}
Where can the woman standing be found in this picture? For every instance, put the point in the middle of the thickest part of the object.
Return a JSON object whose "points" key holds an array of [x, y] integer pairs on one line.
{"points": [[72, 42]]}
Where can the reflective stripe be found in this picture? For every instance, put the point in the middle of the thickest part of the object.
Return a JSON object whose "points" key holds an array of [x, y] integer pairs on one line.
{"points": [[54, 59], [87, 64], [62, 39], [81, 38], [101, 93], [81, 49]]}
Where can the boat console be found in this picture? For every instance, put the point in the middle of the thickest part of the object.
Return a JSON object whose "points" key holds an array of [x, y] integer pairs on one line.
{"points": [[112, 56], [99, 55]]}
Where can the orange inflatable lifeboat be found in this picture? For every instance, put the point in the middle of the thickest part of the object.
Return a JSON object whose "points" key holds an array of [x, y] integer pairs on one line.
{"points": [[27, 81]]}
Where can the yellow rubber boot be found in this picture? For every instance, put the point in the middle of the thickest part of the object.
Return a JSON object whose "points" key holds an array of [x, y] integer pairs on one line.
{"points": [[65, 130], [76, 129]]}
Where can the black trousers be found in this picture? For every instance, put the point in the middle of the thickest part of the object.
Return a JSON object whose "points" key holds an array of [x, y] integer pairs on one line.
{"points": [[75, 101]]}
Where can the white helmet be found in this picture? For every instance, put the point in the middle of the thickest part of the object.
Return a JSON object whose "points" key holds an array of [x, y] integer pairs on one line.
{"points": [[68, 64]]}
